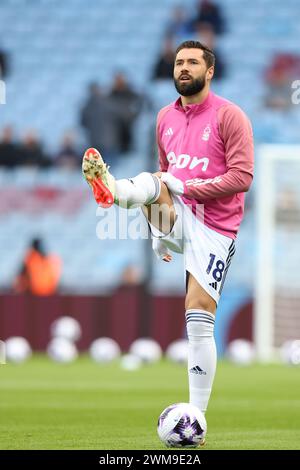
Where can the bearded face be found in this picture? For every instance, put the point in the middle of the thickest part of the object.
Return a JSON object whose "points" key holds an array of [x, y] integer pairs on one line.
{"points": [[188, 86], [190, 72]]}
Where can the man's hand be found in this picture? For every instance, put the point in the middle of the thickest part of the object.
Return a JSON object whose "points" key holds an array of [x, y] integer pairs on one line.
{"points": [[161, 250], [174, 184]]}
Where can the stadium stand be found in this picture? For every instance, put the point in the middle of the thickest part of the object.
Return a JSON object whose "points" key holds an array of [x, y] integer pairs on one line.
{"points": [[55, 52]]}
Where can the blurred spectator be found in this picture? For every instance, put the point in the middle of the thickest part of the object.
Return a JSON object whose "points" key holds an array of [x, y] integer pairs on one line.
{"points": [[40, 272], [283, 69], [67, 156], [9, 151], [99, 117], [31, 151], [165, 64], [128, 104], [131, 276], [180, 28], [205, 34], [3, 64], [210, 12]]}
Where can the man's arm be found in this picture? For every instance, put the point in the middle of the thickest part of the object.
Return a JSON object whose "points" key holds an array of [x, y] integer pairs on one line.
{"points": [[236, 133], [162, 158]]}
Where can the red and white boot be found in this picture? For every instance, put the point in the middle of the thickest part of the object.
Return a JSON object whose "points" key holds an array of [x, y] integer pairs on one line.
{"points": [[96, 173]]}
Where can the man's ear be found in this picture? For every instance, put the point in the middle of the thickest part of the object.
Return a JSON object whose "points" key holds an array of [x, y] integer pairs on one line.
{"points": [[210, 73]]}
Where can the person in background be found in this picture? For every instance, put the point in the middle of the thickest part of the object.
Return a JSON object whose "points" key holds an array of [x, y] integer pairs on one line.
{"points": [[99, 117], [9, 150], [206, 35], [128, 105], [3, 64], [279, 75], [32, 152], [67, 156], [210, 12], [179, 26], [131, 276], [163, 69], [40, 272]]}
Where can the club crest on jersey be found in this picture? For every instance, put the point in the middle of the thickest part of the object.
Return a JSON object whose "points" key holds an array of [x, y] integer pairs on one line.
{"points": [[206, 133]]}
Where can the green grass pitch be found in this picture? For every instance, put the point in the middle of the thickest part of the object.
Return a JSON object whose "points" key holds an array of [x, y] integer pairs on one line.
{"points": [[87, 406]]}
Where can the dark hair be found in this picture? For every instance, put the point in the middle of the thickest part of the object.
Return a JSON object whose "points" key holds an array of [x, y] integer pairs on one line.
{"points": [[37, 244], [208, 55]]}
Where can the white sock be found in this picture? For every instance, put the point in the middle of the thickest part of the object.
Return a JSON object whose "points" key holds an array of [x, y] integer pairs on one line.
{"points": [[141, 190], [202, 356]]}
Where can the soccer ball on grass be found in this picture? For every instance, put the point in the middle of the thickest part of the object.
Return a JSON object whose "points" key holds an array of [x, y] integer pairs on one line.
{"points": [[182, 425]]}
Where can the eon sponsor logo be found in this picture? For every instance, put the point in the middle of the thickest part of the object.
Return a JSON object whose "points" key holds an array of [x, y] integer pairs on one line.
{"points": [[186, 161]]}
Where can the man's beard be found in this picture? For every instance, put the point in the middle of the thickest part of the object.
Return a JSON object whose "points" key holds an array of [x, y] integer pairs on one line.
{"points": [[190, 88]]}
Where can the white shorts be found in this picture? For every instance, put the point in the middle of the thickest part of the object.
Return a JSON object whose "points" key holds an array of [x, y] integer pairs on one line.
{"points": [[207, 253]]}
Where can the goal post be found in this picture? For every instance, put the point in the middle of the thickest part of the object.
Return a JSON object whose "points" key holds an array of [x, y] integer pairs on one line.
{"points": [[277, 279]]}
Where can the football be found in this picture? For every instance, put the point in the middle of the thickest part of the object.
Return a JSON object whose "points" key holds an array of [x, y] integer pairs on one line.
{"points": [[148, 350], [104, 350], [241, 352], [62, 350], [66, 327], [182, 425], [17, 349], [178, 351]]}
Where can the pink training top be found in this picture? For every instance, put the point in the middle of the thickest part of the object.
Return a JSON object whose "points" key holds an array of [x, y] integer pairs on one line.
{"points": [[209, 146]]}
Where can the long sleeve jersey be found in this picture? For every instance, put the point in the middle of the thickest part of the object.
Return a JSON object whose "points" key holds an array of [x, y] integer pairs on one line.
{"points": [[209, 147]]}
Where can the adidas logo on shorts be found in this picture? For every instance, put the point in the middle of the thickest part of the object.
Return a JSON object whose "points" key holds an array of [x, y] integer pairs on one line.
{"points": [[214, 285]]}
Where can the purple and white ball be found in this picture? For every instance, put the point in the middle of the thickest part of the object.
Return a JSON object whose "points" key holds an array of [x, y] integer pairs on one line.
{"points": [[182, 425]]}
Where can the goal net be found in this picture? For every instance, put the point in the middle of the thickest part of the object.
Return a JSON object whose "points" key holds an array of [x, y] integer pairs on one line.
{"points": [[277, 278]]}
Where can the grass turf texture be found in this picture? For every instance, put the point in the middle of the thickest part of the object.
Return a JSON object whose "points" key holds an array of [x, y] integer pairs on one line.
{"points": [[83, 405]]}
